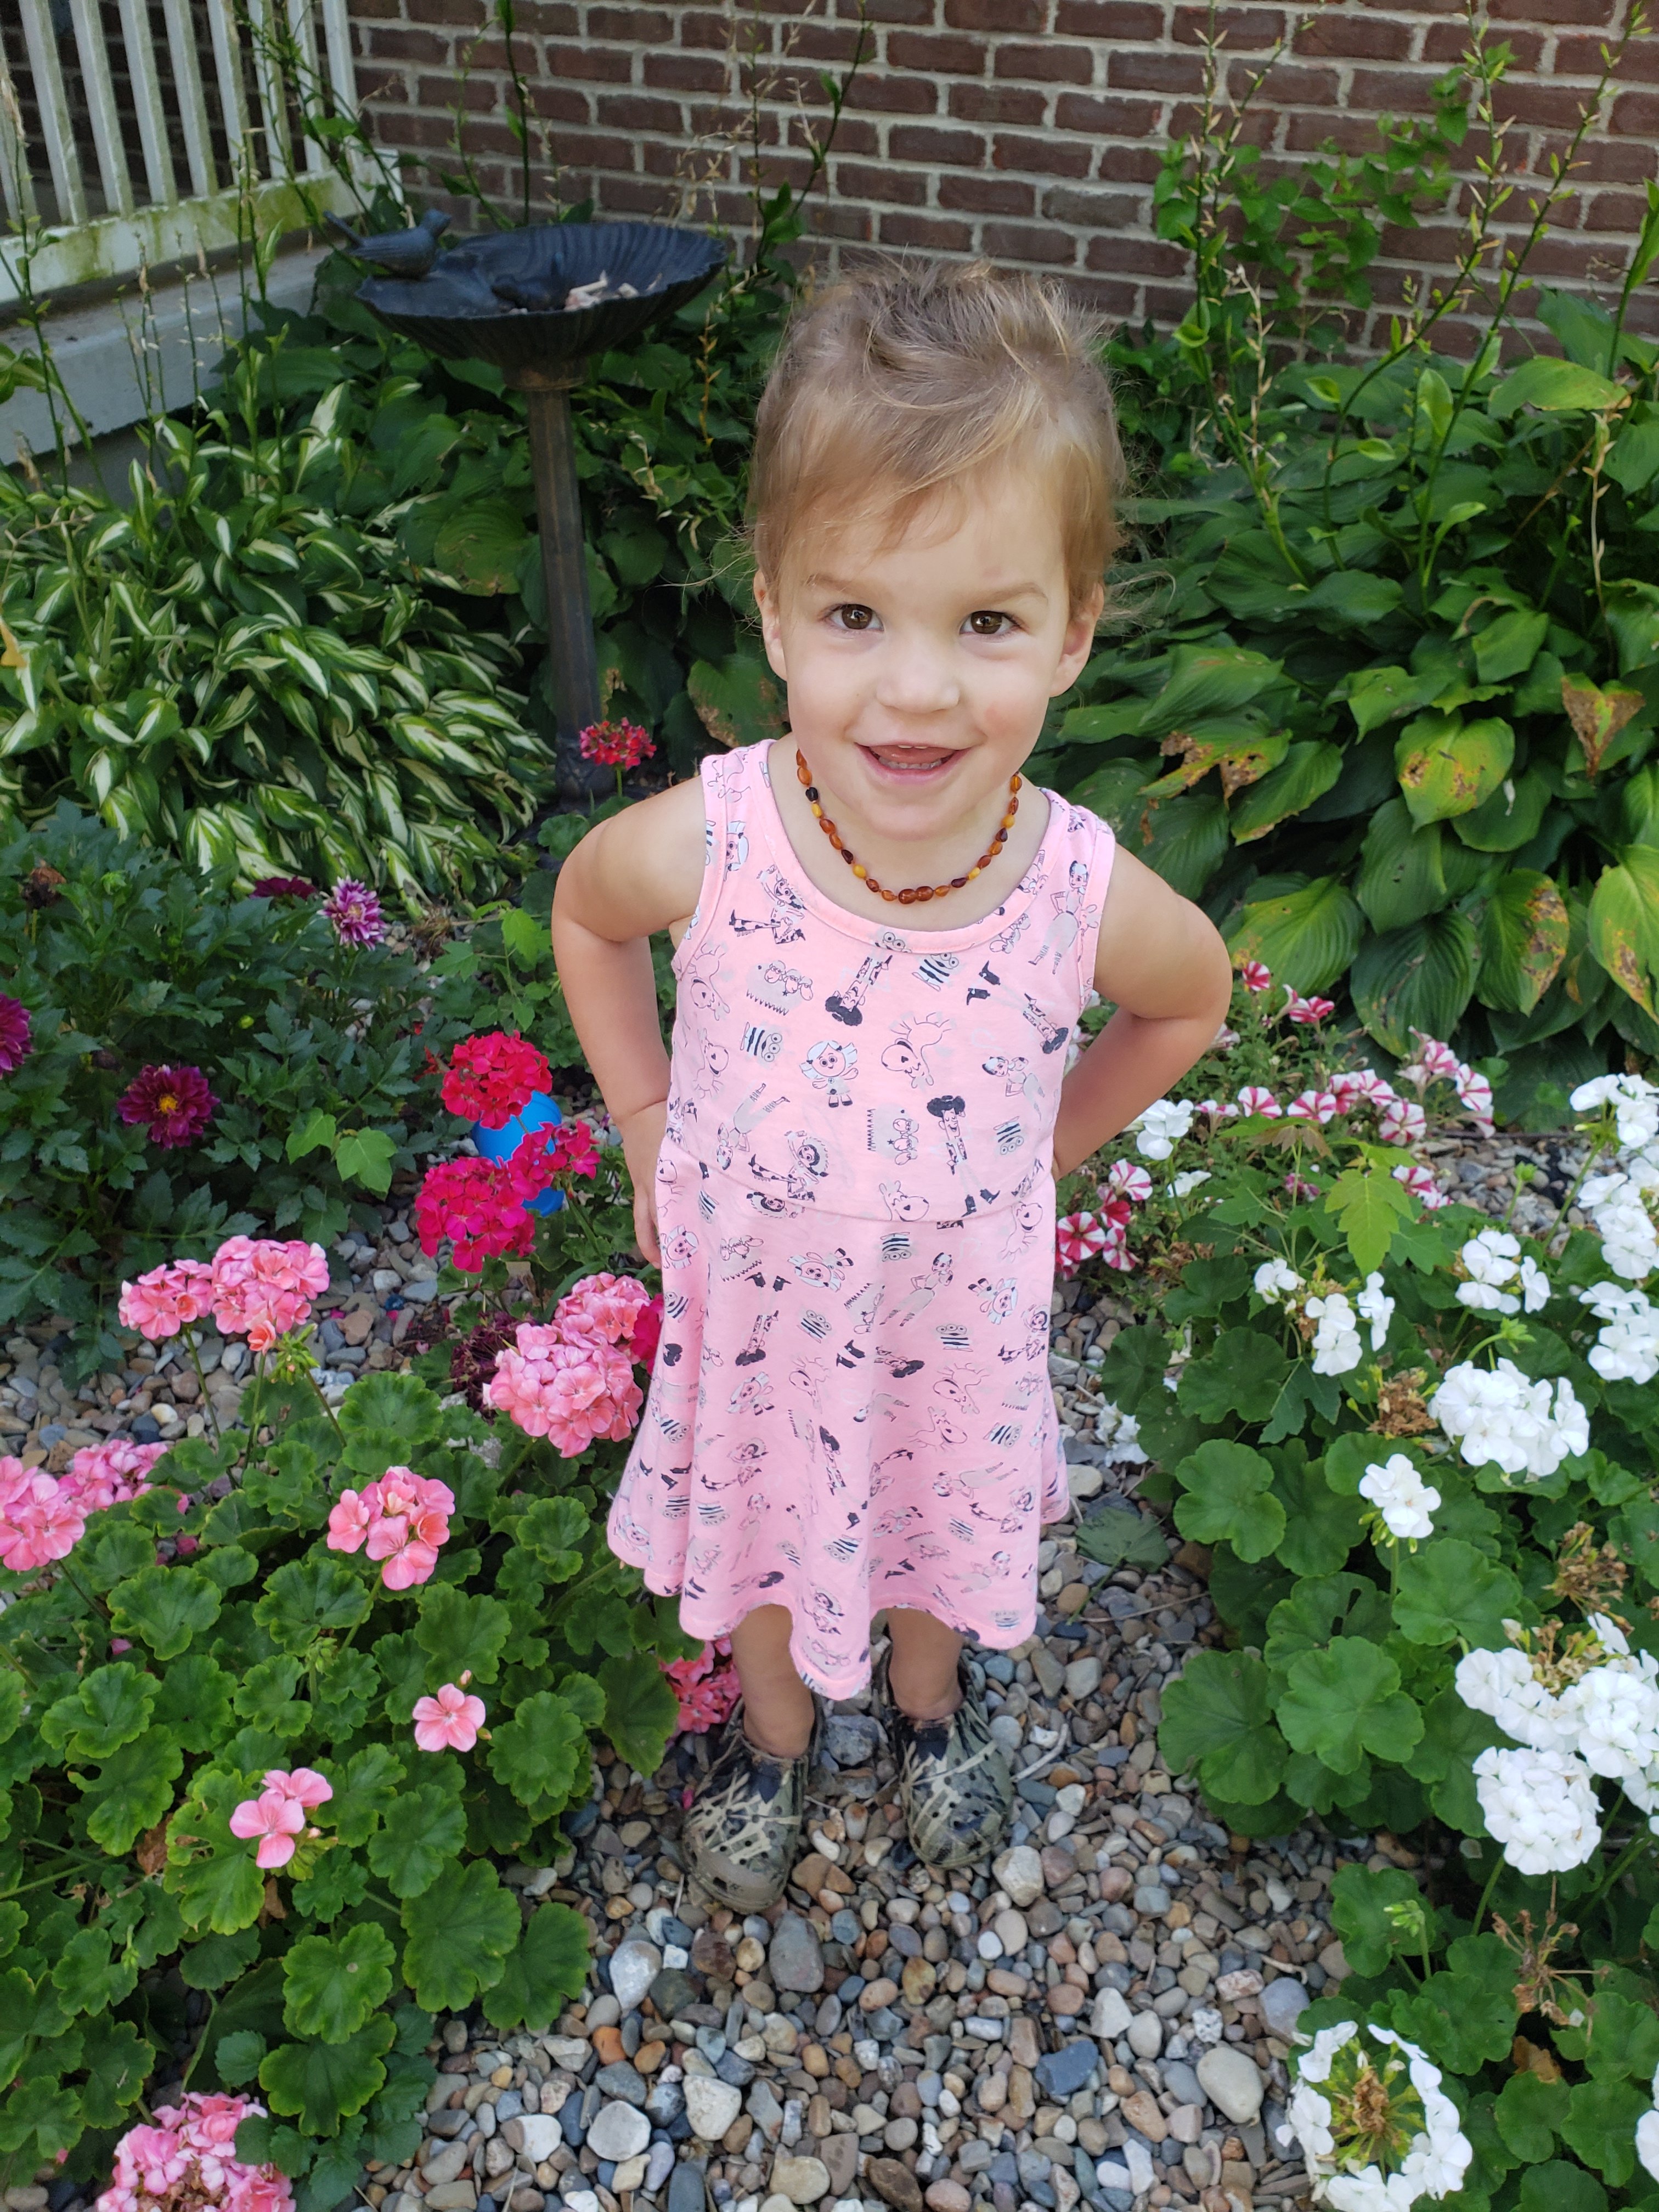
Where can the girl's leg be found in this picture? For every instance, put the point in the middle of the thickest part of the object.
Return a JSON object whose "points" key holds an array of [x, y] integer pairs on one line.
{"points": [[922, 1672], [777, 1706]]}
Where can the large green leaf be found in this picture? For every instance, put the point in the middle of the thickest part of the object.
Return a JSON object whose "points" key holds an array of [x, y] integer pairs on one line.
{"points": [[165, 1607], [395, 1412], [1241, 1374], [1557, 388], [544, 1973], [1419, 978], [1218, 1716], [110, 1706], [640, 1710], [132, 1790], [1207, 679], [1114, 794], [1401, 874], [1447, 765], [1508, 646], [1464, 2016], [460, 1632], [1184, 841], [1447, 1589], [423, 1830], [481, 543], [1354, 596], [738, 702], [536, 1753], [1376, 695], [1509, 816], [1343, 1702], [1307, 772], [1559, 2186], [1308, 938], [460, 1933], [1623, 924], [1228, 1497], [1523, 941], [320, 2084], [1369, 1206], [1529, 2112], [312, 1597], [1601, 2125], [1322, 1527], [1362, 1904], [330, 1987]]}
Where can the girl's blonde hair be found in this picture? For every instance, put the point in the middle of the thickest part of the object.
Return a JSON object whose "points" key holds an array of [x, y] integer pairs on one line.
{"points": [[906, 379]]}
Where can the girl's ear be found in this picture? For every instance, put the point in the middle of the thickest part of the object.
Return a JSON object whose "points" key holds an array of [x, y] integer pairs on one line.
{"points": [[1078, 642], [771, 628]]}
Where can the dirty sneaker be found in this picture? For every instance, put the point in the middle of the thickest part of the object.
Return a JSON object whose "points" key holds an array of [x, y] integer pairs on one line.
{"points": [[953, 1777], [743, 1831]]}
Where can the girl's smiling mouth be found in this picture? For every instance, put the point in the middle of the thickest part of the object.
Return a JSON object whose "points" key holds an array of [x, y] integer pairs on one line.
{"points": [[915, 763]]}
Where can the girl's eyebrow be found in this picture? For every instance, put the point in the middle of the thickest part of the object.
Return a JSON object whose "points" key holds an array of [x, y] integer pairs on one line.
{"points": [[819, 582]]}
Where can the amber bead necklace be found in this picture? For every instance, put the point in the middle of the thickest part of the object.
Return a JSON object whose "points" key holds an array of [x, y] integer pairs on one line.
{"points": [[920, 891]]}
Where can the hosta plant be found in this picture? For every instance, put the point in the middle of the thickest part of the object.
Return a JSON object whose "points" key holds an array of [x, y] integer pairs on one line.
{"points": [[270, 1719], [1418, 1445]]}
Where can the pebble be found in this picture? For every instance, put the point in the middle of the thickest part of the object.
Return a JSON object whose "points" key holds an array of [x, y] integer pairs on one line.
{"points": [[794, 1958], [1231, 2082], [634, 1966], [617, 2131], [1145, 2033], [1283, 2003], [711, 2106], [799, 2180], [1019, 1874]]}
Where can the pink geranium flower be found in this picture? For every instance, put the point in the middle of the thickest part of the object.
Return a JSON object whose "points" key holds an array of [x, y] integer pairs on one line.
{"points": [[101, 1475], [304, 1785], [263, 1286], [40, 1520], [479, 1204], [706, 1686], [568, 1393], [350, 1522], [403, 1519], [451, 1721], [186, 2161], [168, 1299], [648, 1334], [615, 744], [275, 1820], [601, 1307]]}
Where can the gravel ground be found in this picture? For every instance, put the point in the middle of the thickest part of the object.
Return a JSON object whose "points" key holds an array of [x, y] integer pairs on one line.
{"points": [[1101, 2015]]}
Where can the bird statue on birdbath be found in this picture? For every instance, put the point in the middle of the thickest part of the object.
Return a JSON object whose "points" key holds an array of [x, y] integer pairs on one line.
{"points": [[399, 253]]}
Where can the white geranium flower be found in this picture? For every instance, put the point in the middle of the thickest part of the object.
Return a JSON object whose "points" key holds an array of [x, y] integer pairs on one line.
{"points": [[1500, 1416], [1120, 1434], [1400, 1495], [1274, 1280], [1375, 1307], [1162, 1127], [1539, 1805], [1627, 1349], [1492, 1259], [1503, 1684], [1630, 1245], [1613, 1714], [1647, 2137], [1336, 1346], [1365, 2098], [1534, 1285], [1635, 1103]]}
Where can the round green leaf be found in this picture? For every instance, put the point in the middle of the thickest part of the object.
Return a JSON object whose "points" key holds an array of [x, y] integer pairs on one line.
{"points": [[460, 1634], [1559, 2186], [132, 1789], [423, 1829], [1447, 1589], [481, 543], [1229, 1498], [1218, 1716], [331, 1985], [165, 1607], [1601, 2125], [1530, 2113], [460, 1932], [640, 1711], [110, 1706], [312, 1596], [1241, 1374], [544, 1974], [1322, 1527], [1344, 1701], [1419, 978], [320, 2084], [536, 1753], [1360, 1902]]}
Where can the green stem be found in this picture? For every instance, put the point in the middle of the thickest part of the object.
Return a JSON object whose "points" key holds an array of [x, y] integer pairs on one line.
{"points": [[1485, 1894], [324, 1403], [1597, 1147], [1638, 1843]]}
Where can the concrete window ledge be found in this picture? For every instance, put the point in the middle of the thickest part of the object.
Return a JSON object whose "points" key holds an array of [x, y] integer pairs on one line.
{"points": [[119, 368]]}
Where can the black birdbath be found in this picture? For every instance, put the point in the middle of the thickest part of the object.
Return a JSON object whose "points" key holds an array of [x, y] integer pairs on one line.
{"points": [[535, 302]]}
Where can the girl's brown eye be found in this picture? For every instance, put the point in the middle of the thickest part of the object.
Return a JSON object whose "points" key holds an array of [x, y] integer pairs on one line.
{"points": [[855, 617], [985, 623]]}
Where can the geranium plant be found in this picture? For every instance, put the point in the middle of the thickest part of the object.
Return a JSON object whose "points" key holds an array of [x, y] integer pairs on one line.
{"points": [[272, 1710], [1417, 1445]]}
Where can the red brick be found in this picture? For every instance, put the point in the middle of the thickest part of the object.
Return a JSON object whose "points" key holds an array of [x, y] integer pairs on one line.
{"points": [[1615, 211], [1240, 29], [635, 196], [1135, 256], [965, 195], [859, 181], [1307, 134], [926, 231], [636, 25], [1561, 11], [600, 63], [918, 142], [1108, 296], [829, 221], [591, 147], [1005, 17], [1094, 210], [1389, 92], [684, 72], [1130, 165], [1285, 85], [1556, 106], [1129, 71], [1049, 63], [699, 29], [852, 134], [828, 42], [1106, 118], [396, 42], [637, 112], [475, 93], [1124, 20], [894, 11], [1582, 56], [891, 95], [1635, 114], [1028, 242], [937, 53], [1357, 37], [1043, 157], [1609, 162], [1446, 45], [996, 103]]}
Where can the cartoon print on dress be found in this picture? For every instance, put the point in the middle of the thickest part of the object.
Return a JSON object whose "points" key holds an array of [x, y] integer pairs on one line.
{"points": [[809, 1164], [737, 1257], [1006, 939], [773, 984], [996, 1300], [936, 969], [986, 976], [828, 1273], [710, 1063], [892, 1133], [731, 1136], [1019, 1079], [755, 1350], [679, 1248], [785, 920], [958, 1384], [923, 1289], [847, 1004], [762, 1041], [1072, 916], [754, 1395], [698, 982], [947, 1110], [830, 1067], [913, 1038], [903, 1204], [1053, 1034], [737, 847]]}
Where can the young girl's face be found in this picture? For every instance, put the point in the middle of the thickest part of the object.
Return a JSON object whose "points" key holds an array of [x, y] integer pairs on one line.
{"points": [[919, 671]]}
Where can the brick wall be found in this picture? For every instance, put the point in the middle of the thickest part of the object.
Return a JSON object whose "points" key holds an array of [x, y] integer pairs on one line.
{"points": [[1026, 129]]}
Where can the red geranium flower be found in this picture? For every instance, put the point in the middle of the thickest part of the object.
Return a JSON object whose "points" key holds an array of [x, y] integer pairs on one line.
{"points": [[494, 1077], [175, 1101], [615, 744]]}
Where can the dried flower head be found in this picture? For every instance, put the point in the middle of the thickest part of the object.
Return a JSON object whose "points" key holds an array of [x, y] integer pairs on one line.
{"points": [[42, 885]]}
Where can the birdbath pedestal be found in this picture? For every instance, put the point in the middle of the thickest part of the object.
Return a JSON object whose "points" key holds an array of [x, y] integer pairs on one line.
{"points": [[535, 302]]}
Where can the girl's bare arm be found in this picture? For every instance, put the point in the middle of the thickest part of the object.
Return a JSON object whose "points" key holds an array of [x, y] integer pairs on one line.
{"points": [[633, 874], [1162, 963]]}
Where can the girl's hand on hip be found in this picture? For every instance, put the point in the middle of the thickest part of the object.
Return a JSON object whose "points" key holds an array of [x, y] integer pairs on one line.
{"points": [[641, 1136]]}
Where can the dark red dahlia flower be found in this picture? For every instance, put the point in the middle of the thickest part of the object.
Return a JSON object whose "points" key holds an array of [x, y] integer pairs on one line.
{"points": [[175, 1101]]}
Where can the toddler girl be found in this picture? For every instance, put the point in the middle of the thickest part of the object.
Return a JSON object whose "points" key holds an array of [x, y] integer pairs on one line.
{"points": [[883, 939]]}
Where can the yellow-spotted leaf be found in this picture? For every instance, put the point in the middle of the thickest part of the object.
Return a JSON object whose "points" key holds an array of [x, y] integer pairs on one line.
{"points": [[1597, 717], [1308, 938], [1523, 941], [1306, 772], [1447, 766], [1241, 747], [1623, 924]]}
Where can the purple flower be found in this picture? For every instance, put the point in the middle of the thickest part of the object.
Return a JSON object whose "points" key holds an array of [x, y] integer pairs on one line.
{"points": [[15, 1043], [355, 911], [174, 1101]]}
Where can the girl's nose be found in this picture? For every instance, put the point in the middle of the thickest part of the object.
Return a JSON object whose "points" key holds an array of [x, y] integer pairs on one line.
{"points": [[916, 677]]}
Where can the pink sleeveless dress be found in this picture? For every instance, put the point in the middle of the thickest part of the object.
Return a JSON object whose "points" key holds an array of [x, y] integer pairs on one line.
{"points": [[851, 1407]]}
